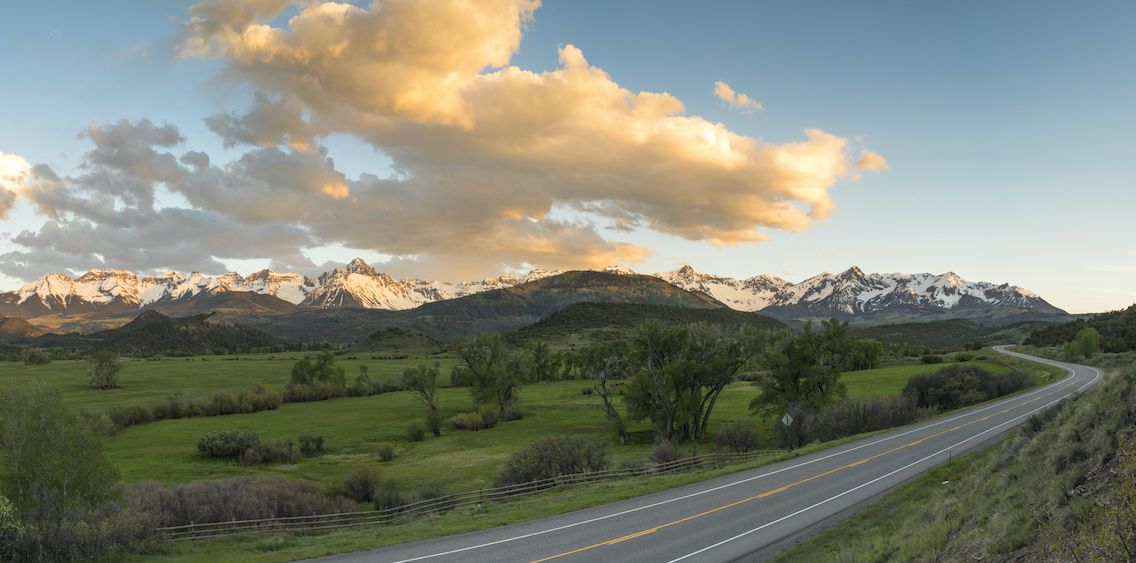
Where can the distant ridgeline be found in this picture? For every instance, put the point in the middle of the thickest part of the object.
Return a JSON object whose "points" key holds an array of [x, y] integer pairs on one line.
{"points": [[1117, 331], [153, 334]]}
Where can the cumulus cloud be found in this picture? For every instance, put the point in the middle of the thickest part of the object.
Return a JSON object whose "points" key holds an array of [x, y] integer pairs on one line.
{"points": [[14, 173], [737, 100], [494, 165]]}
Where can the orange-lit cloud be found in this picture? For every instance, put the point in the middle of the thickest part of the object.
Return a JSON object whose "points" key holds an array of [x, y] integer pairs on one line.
{"points": [[872, 162], [737, 100], [495, 165]]}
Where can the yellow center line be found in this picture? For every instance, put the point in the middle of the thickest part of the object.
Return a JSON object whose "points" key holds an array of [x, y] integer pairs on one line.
{"points": [[784, 488]]}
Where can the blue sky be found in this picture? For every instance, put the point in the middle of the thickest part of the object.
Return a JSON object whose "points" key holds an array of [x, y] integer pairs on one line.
{"points": [[1007, 126]]}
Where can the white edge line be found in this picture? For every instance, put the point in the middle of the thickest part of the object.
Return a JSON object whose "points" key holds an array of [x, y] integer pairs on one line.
{"points": [[748, 479], [904, 468]]}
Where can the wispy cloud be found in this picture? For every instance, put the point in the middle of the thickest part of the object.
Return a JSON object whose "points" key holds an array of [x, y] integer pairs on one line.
{"points": [[736, 100]]}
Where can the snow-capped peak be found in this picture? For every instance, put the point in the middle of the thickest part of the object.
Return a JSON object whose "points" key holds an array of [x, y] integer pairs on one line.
{"points": [[358, 284]]}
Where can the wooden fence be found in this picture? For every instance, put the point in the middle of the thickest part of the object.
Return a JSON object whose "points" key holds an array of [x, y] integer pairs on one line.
{"points": [[189, 532]]}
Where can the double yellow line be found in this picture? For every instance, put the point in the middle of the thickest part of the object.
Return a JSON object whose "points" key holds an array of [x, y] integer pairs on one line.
{"points": [[784, 488]]}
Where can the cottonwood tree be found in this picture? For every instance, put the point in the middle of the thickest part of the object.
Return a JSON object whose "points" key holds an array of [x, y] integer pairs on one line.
{"points": [[103, 369], [51, 463], [604, 364], [424, 381], [803, 374], [544, 364], [324, 370], [679, 372], [494, 374]]}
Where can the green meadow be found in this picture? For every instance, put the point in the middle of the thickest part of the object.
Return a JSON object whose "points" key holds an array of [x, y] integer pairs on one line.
{"points": [[354, 428]]}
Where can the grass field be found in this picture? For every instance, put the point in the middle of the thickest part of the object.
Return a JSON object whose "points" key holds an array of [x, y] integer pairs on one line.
{"points": [[555, 408], [149, 382], [355, 428]]}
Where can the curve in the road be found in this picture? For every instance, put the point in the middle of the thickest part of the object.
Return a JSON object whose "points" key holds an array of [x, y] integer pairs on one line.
{"points": [[748, 514]]}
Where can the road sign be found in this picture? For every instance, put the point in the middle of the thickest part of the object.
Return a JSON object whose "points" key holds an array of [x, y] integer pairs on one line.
{"points": [[786, 420]]}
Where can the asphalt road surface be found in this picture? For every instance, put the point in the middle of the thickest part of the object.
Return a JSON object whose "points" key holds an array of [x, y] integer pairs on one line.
{"points": [[750, 515]]}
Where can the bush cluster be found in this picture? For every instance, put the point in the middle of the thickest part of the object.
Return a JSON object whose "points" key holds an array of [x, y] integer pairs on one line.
{"points": [[552, 457], [485, 417], [226, 443], [416, 431], [185, 405], [248, 449], [321, 391], [237, 498], [737, 437], [958, 386], [665, 452], [855, 416], [105, 533]]}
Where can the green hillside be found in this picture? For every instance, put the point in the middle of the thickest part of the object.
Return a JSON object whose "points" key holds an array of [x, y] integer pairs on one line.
{"points": [[582, 323], [1117, 331], [947, 335], [152, 334]]}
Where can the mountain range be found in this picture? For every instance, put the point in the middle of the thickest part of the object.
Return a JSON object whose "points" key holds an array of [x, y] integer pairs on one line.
{"points": [[851, 294]]}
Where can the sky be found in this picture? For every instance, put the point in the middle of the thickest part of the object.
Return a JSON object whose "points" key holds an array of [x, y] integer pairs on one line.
{"points": [[452, 141]]}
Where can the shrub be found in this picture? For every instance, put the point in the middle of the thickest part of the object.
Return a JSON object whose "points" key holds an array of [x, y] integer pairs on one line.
{"points": [[222, 500], [489, 415], [227, 443], [387, 496], [958, 386], [473, 420], [310, 445], [552, 457], [416, 431], [737, 437], [99, 422], [665, 452], [33, 357], [130, 416], [963, 357], [361, 484], [855, 416], [512, 412], [386, 453], [931, 359], [283, 451]]}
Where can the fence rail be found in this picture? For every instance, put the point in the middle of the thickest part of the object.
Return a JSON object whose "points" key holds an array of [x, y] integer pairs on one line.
{"points": [[208, 530]]}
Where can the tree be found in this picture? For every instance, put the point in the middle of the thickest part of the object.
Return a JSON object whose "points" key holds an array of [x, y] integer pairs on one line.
{"points": [[865, 355], [679, 373], [544, 363], [51, 463], [804, 374], [324, 370], [603, 363], [424, 381], [493, 373], [103, 369], [1085, 345]]}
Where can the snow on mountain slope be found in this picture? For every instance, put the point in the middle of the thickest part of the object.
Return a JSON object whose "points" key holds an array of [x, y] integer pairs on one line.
{"points": [[753, 294], [357, 284]]}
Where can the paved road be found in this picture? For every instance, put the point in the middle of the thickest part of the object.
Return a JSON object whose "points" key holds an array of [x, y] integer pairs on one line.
{"points": [[749, 515]]}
